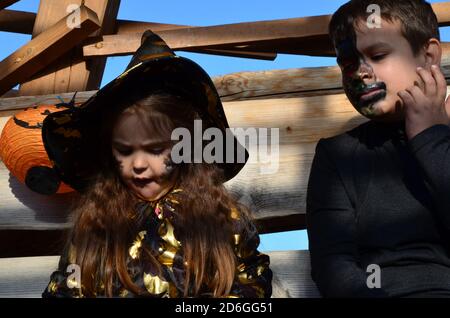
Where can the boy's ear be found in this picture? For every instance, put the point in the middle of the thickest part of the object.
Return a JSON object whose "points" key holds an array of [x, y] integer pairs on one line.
{"points": [[433, 52]]}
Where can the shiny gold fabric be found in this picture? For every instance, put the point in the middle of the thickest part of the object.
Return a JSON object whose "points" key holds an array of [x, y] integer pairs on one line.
{"points": [[158, 236]]}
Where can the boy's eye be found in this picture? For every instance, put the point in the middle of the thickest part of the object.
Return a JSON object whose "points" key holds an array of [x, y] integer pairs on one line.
{"points": [[378, 57]]}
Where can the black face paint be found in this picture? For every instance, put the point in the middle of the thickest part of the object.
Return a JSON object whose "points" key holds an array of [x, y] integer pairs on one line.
{"points": [[362, 96], [167, 174]]}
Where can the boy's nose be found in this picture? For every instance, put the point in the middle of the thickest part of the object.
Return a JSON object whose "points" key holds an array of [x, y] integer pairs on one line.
{"points": [[365, 71]]}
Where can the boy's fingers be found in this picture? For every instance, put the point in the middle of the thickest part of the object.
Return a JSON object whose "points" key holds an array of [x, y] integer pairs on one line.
{"points": [[429, 81], [406, 97], [440, 81], [415, 92]]}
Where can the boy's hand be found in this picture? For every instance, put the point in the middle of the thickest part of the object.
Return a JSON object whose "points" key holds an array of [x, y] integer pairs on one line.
{"points": [[425, 105]]}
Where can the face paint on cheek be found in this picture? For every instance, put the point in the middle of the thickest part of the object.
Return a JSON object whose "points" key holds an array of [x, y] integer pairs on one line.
{"points": [[362, 96], [118, 164], [169, 168]]}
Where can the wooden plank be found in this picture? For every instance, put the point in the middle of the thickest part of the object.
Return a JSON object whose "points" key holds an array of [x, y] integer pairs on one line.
{"points": [[28, 276], [301, 123], [292, 275], [70, 72], [290, 36], [442, 11], [6, 3], [22, 102], [17, 21], [10, 93], [43, 49], [19, 243], [238, 34], [25, 23], [273, 83], [128, 26], [301, 82], [276, 204], [321, 41]]}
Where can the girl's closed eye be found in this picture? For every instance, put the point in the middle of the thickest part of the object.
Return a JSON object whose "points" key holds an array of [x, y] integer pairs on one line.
{"points": [[124, 152], [156, 151]]}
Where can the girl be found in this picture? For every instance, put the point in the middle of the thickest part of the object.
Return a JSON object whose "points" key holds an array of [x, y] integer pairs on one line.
{"points": [[145, 226]]}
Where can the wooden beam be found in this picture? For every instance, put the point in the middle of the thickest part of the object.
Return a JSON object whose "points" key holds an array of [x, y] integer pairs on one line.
{"points": [[43, 49], [15, 243], [279, 205], [28, 276], [301, 82], [322, 45], [6, 3], [10, 93], [17, 21], [208, 37], [23, 22], [292, 36], [21, 102], [442, 11], [70, 72], [127, 26]]}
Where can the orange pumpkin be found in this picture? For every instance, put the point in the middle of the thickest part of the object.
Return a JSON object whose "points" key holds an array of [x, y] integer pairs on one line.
{"points": [[23, 152]]}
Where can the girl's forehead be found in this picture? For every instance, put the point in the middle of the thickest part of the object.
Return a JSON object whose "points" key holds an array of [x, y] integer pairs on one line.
{"points": [[133, 128]]}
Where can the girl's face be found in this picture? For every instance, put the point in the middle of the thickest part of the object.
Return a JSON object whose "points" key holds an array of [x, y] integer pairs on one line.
{"points": [[144, 162]]}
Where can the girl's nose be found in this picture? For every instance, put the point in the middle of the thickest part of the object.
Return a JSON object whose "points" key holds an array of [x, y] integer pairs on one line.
{"points": [[140, 164]]}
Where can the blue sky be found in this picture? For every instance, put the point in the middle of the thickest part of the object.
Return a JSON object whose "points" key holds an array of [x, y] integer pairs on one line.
{"points": [[203, 13]]}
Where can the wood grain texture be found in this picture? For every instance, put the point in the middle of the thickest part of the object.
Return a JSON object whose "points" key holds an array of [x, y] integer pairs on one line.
{"points": [[289, 36], [29, 276], [17, 21], [43, 49], [22, 102], [70, 72], [301, 123], [213, 37]]}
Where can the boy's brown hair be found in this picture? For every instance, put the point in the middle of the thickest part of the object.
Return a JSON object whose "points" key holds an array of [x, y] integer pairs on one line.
{"points": [[418, 20]]}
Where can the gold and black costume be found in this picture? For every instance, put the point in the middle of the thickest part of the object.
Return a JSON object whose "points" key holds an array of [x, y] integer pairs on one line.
{"points": [[158, 235]]}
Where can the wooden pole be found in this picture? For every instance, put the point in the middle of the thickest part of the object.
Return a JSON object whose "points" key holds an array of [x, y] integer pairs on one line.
{"points": [[6, 3]]}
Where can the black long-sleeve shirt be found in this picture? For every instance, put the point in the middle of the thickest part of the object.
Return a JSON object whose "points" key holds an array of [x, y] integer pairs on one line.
{"points": [[375, 197]]}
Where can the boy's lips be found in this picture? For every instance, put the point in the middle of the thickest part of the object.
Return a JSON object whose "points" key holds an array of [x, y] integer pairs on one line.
{"points": [[371, 91]]}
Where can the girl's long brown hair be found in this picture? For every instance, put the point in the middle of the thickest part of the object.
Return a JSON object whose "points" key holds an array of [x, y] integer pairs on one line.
{"points": [[104, 223]]}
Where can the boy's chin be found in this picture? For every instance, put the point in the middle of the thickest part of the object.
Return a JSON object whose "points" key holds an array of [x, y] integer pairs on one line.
{"points": [[381, 112]]}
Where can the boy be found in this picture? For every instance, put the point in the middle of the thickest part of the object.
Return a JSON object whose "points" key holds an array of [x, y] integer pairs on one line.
{"points": [[378, 204]]}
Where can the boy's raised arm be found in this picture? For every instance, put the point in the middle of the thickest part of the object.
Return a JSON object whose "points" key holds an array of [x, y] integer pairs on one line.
{"points": [[332, 233], [427, 127], [431, 148]]}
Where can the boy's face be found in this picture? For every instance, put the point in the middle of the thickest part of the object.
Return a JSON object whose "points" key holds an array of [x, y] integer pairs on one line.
{"points": [[374, 70]]}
